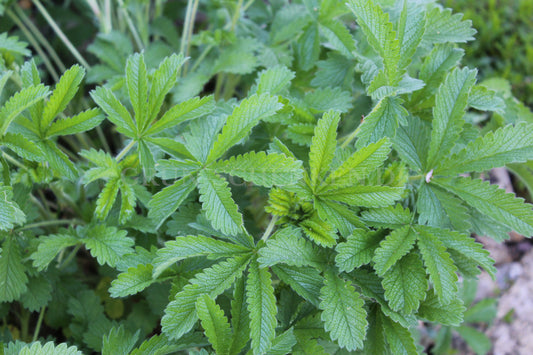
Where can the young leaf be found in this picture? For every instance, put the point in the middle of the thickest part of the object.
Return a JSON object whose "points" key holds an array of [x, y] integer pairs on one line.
{"points": [[319, 231], [323, 146], [133, 281], [450, 105], [495, 203], [358, 250], [439, 265], [274, 81], [364, 196], [405, 284], [215, 324], [106, 198], [262, 307], [240, 123], [510, 144], [411, 28], [343, 313], [180, 313], [262, 169], [439, 208], [444, 27], [64, 92], [219, 207], [393, 248], [13, 278], [387, 217], [166, 201]]}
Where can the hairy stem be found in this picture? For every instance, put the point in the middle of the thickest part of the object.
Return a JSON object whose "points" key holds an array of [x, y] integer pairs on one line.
{"points": [[270, 228], [126, 149], [38, 325]]}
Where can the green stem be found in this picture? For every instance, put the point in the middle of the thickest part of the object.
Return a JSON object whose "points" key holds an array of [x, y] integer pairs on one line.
{"points": [[70, 257], [131, 26], [13, 161], [351, 137], [24, 324], [125, 151], [269, 228], [50, 223], [236, 15], [60, 34], [39, 323], [202, 57], [35, 44], [248, 4], [190, 16], [46, 44], [218, 86]]}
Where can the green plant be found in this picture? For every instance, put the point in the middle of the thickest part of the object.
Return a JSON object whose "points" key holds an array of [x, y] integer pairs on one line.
{"points": [[239, 222]]}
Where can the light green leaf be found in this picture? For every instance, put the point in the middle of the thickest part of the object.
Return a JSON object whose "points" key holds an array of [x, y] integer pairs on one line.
{"points": [[106, 198], [509, 144], [338, 36], [323, 146], [262, 169], [319, 231], [444, 27], [393, 248], [49, 247], [64, 92], [10, 213], [411, 28], [405, 284], [215, 324], [180, 313], [13, 278], [387, 217], [116, 112], [382, 121], [81, 122], [107, 244], [240, 322], [343, 313], [287, 246], [399, 338], [439, 265], [358, 250], [38, 294], [19, 102], [166, 201], [448, 314], [283, 343], [240, 123], [328, 99], [308, 47], [146, 159], [219, 207], [163, 80], [22, 146], [119, 341], [305, 281], [49, 349], [484, 99], [274, 81], [133, 281], [476, 340], [261, 307], [175, 169], [412, 143], [128, 201], [192, 246], [12, 44], [448, 112], [364, 196], [137, 84], [360, 164], [380, 35], [59, 161], [495, 203], [182, 112], [439, 208]]}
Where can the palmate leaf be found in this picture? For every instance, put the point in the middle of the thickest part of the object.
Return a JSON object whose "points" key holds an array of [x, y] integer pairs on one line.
{"points": [[107, 244], [510, 144], [192, 246], [412, 143], [63, 93], [387, 217], [180, 313], [448, 112], [434, 311], [215, 324], [19, 102], [358, 250], [439, 208], [240, 321], [323, 146], [411, 28], [10, 212], [283, 343], [364, 196], [22, 146], [262, 169], [305, 281], [219, 207], [343, 313], [116, 112], [13, 45], [393, 248], [240, 123], [380, 35], [166, 201], [133, 281], [444, 27], [439, 265], [13, 278], [261, 307], [360, 164], [287, 246], [495, 203], [274, 81], [319, 231], [338, 36], [328, 99], [338, 215], [405, 284], [81, 122]]}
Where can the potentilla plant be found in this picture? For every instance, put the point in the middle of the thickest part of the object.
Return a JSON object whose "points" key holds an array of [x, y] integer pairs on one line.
{"points": [[274, 223]]}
